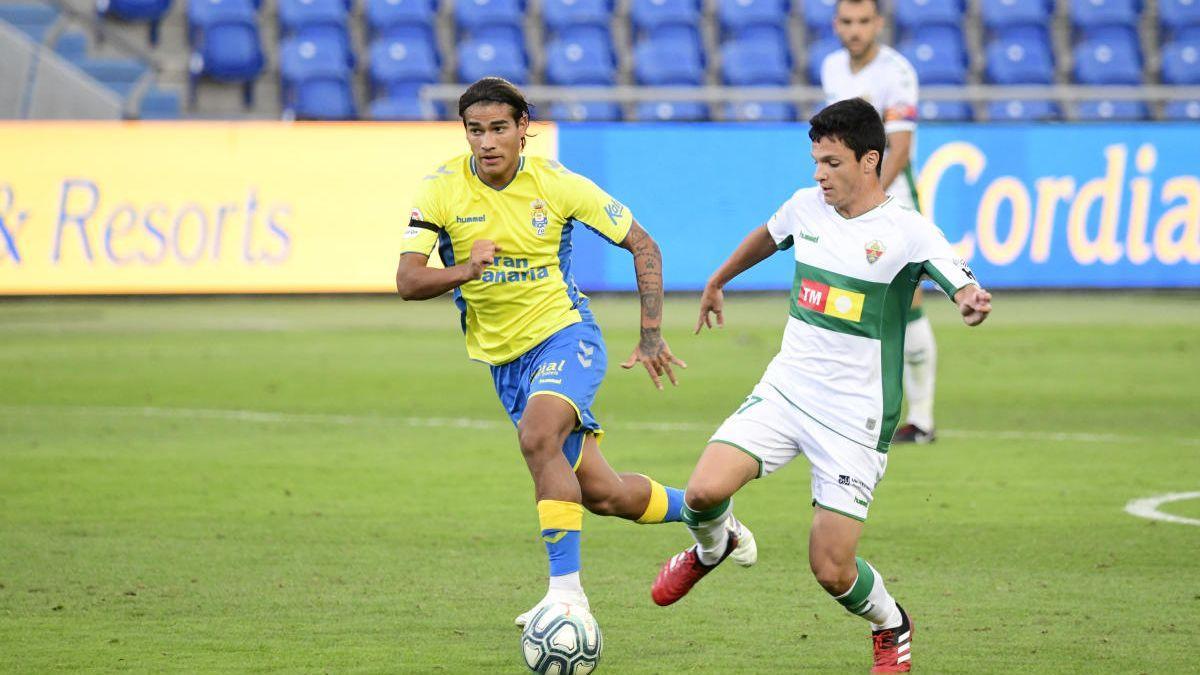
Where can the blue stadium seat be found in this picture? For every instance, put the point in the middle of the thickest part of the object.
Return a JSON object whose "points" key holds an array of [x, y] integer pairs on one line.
{"points": [[938, 54], [945, 111], [1087, 15], [151, 11], [72, 45], [385, 16], [736, 16], [492, 57], [650, 15], [818, 15], [1093, 111], [404, 105], [32, 18], [672, 111], [746, 63], [395, 61], [560, 15], [915, 14], [228, 49], [668, 63], [817, 51], [999, 15], [1019, 58], [590, 111], [119, 75], [584, 62], [158, 104], [1181, 63], [473, 15], [319, 20], [1112, 61], [203, 13], [1023, 111], [766, 111], [1183, 110], [315, 80], [1175, 16]]}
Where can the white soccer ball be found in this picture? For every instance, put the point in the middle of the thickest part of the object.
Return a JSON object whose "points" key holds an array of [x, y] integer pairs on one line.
{"points": [[562, 639]]}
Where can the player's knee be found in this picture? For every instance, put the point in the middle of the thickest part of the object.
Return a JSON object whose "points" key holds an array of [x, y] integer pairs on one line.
{"points": [[701, 496], [538, 440]]}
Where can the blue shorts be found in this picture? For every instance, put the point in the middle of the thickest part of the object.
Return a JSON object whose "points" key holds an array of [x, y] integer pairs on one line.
{"points": [[569, 364]]}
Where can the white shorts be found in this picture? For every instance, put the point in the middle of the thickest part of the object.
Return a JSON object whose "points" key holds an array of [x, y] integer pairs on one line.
{"points": [[773, 431]]}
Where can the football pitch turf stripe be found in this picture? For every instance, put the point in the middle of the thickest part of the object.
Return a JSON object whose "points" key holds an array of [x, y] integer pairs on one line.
{"points": [[271, 417]]}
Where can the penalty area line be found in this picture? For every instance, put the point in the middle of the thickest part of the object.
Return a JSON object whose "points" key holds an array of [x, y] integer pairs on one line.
{"points": [[1147, 507]]}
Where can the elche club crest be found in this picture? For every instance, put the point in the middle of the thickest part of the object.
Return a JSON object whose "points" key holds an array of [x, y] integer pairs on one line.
{"points": [[538, 217], [875, 250]]}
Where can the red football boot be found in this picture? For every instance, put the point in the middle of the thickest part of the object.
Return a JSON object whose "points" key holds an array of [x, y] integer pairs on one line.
{"points": [[681, 572], [893, 647]]}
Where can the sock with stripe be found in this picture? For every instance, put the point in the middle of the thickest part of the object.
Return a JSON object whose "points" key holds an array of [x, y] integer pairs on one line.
{"points": [[708, 529], [920, 370], [665, 505], [869, 599], [561, 524]]}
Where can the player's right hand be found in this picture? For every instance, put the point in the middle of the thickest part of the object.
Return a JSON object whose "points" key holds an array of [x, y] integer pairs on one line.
{"points": [[712, 300], [483, 255]]}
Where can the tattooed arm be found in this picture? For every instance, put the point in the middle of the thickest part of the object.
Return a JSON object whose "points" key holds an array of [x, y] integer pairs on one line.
{"points": [[652, 351]]}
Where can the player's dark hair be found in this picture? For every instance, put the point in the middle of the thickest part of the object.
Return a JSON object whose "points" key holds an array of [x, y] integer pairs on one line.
{"points": [[495, 90], [855, 2], [853, 122]]}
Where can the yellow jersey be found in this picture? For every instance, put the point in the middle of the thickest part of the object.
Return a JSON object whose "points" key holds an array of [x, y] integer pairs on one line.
{"points": [[528, 293]]}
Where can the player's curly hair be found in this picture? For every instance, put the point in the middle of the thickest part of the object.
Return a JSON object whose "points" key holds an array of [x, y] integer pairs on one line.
{"points": [[495, 90], [853, 122]]}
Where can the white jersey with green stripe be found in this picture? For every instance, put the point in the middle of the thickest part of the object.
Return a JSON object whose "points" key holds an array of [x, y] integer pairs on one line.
{"points": [[842, 357]]}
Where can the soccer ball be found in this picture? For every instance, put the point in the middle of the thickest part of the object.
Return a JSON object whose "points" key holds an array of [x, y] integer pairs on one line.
{"points": [[562, 639]]}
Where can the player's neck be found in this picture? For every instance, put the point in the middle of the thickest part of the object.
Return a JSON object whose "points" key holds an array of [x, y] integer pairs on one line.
{"points": [[500, 180], [857, 64], [861, 204]]}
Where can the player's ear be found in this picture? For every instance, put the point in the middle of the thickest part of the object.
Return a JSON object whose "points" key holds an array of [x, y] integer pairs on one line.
{"points": [[870, 161]]}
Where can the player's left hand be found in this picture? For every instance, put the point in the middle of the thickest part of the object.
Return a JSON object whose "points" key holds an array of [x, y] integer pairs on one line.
{"points": [[653, 353], [974, 304]]}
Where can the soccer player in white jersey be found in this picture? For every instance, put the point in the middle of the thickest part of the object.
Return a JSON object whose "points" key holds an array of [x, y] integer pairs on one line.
{"points": [[833, 391], [879, 74]]}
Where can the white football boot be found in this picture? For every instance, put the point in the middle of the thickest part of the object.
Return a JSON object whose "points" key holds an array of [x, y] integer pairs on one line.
{"points": [[569, 597], [746, 553]]}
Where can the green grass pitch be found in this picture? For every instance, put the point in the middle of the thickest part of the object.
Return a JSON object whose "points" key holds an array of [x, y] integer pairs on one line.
{"points": [[329, 485]]}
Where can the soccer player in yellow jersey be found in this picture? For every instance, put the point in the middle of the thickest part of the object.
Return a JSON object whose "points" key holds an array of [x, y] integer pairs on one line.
{"points": [[502, 223]]}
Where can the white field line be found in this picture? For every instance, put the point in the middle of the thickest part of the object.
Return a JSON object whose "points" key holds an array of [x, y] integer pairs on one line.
{"points": [[267, 417], [1148, 507]]}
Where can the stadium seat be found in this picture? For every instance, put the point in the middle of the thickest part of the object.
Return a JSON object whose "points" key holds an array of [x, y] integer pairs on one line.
{"points": [[492, 57], [735, 16], [32, 18], [817, 51], [999, 15], [1019, 58], [119, 75], [315, 80], [151, 11], [560, 15], [384, 16], [747, 63], [203, 13], [945, 111], [1181, 63], [1023, 111], [1182, 110], [667, 63], [911, 15], [650, 15], [157, 104], [318, 20], [1087, 15], [474, 15], [938, 54], [1093, 111], [72, 45], [587, 62], [766, 111], [405, 105], [818, 15], [395, 61], [1176, 16], [1112, 61], [590, 111], [228, 49], [673, 111]]}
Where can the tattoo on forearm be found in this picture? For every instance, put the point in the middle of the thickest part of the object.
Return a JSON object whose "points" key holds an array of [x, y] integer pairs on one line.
{"points": [[647, 264]]}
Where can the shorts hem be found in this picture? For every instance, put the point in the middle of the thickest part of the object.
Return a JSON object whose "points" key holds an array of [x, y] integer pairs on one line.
{"points": [[861, 519], [574, 406], [753, 456]]}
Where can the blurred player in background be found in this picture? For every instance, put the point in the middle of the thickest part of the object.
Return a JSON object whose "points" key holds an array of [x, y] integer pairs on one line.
{"points": [[502, 223], [833, 391], [880, 75]]}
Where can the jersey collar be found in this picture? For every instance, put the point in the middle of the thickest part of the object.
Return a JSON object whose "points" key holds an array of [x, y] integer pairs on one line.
{"points": [[520, 168]]}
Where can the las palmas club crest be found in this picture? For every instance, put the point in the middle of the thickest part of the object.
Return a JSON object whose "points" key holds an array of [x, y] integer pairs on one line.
{"points": [[875, 251], [539, 219]]}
